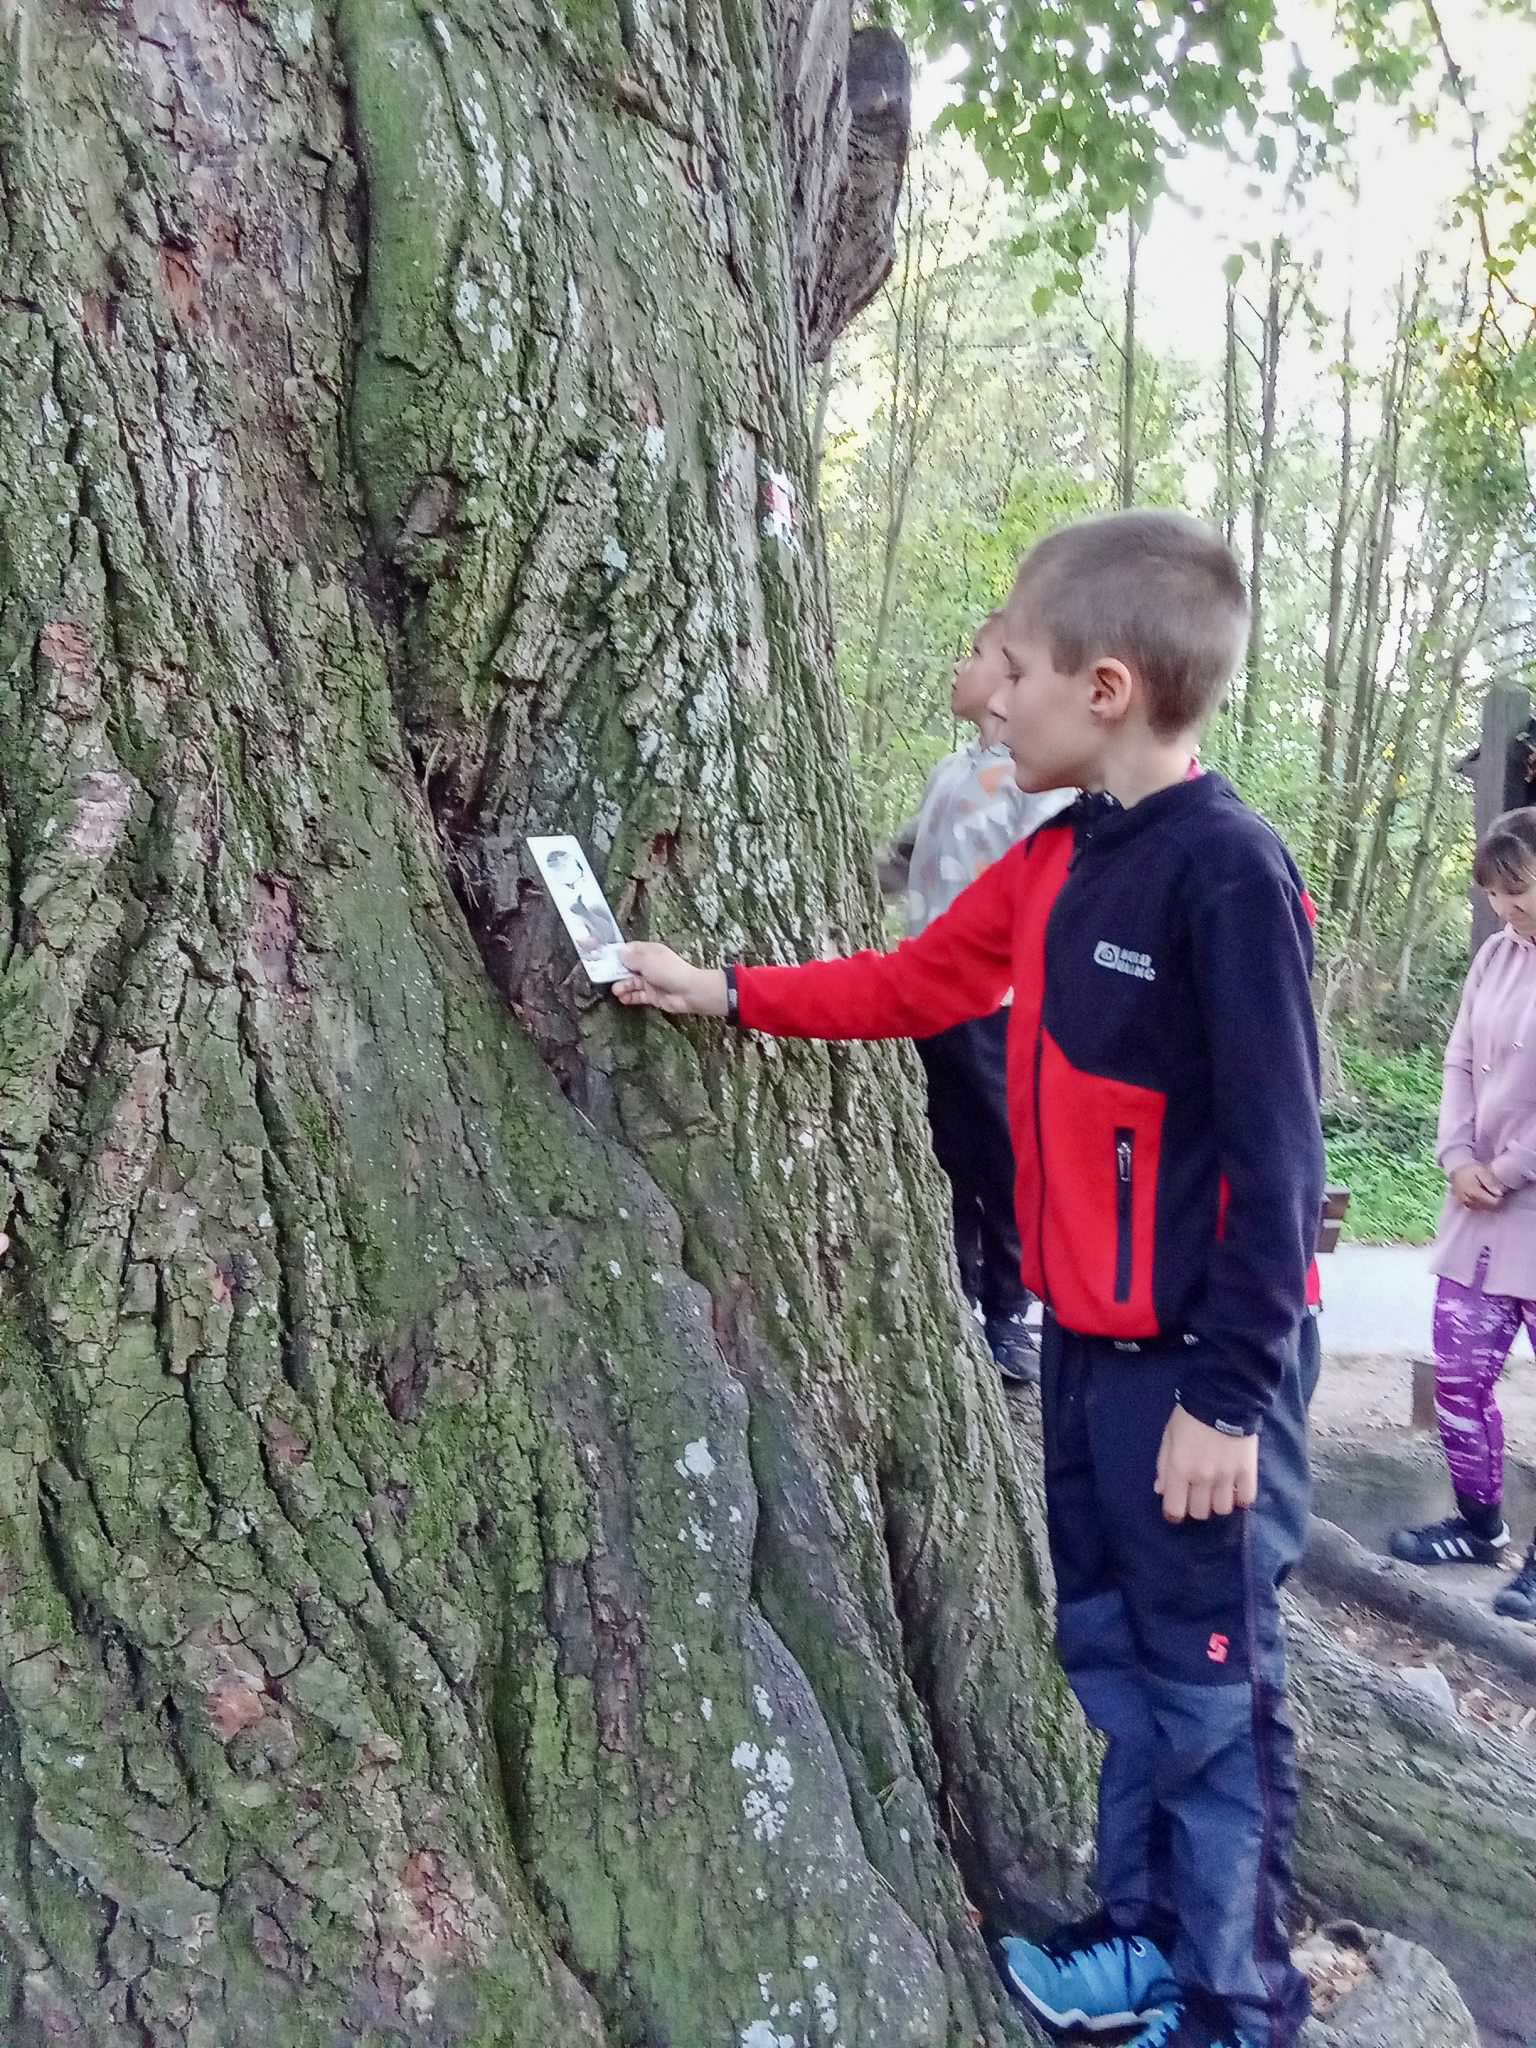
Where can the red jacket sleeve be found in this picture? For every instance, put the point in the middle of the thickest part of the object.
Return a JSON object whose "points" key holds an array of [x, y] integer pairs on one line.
{"points": [[960, 967]]}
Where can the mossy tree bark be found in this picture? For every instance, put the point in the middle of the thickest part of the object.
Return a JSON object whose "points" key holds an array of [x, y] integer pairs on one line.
{"points": [[501, 1535]]}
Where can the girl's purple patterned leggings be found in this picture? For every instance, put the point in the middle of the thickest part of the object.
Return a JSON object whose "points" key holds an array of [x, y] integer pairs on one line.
{"points": [[1473, 1334]]}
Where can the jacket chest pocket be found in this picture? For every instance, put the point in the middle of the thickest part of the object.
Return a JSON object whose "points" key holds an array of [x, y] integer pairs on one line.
{"points": [[1101, 1153]]}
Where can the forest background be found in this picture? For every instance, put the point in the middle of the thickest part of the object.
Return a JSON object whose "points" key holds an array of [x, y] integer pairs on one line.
{"points": [[1317, 335]]}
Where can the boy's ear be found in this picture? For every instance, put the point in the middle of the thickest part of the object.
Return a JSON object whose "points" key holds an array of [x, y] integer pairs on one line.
{"points": [[1112, 688]]}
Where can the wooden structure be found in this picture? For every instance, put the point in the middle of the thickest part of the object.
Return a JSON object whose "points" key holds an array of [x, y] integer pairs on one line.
{"points": [[1502, 770], [1335, 1206]]}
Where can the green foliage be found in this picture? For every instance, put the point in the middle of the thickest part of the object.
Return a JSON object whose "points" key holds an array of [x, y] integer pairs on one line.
{"points": [[963, 425], [1076, 98], [1080, 104], [1381, 1143], [1375, 469], [1485, 406]]}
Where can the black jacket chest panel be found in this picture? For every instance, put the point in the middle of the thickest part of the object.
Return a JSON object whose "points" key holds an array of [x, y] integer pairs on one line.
{"points": [[1120, 996]]}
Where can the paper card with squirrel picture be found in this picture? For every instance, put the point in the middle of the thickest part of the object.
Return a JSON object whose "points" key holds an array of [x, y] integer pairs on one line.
{"points": [[582, 906]]}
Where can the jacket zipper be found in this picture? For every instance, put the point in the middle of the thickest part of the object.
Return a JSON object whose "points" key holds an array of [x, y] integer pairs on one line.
{"points": [[1125, 1157], [1045, 1291]]}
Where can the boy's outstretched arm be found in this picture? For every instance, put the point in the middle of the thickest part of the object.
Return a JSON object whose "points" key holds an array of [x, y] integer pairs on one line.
{"points": [[960, 967]]}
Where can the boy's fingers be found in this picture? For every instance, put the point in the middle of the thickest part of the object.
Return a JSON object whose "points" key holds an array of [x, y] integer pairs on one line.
{"points": [[1198, 1504], [1175, 1492], [1247, 1489], [1223, 1497]]}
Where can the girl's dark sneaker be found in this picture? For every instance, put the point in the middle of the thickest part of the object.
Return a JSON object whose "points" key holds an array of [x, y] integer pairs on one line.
{"points": [[1517, 1602], [1453, 1541]]}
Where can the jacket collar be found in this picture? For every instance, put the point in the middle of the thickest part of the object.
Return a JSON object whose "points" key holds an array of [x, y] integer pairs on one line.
{"points": [[1101, 821]]}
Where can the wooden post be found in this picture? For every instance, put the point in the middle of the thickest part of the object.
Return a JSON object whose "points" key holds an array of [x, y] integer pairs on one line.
{"points": [[1499, 774], [1424, 1415]]}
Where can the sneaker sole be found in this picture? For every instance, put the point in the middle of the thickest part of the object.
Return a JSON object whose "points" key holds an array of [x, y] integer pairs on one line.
{"points": [[1075, 2021], [1433, 1564]]}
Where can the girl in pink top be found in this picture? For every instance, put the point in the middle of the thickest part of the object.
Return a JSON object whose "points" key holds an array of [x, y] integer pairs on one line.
{"points": [[1485, 1253]]}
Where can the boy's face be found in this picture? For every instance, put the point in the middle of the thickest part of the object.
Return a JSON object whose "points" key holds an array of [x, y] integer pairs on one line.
{"points": [[978, 674], [1056, 725]]}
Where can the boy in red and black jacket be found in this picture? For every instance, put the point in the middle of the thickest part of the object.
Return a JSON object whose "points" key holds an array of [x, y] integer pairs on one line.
{"points": [[1163, 1096]]}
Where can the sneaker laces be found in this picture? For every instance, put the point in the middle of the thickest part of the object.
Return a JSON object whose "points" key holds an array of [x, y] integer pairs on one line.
{"points": [[1083, 1937], [1453, 1525], [1181, 2003]]}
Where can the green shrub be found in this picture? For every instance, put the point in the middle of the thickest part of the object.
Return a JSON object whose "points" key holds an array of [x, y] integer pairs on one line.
{"points": [[1381, 1143]]}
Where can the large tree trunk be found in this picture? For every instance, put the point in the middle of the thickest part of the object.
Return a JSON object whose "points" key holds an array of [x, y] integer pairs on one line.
{"points": [[477, 1562]]}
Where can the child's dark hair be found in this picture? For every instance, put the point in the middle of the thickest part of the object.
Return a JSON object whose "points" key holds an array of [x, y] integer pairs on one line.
{"points": [[1506, 853], [1155, 589]]}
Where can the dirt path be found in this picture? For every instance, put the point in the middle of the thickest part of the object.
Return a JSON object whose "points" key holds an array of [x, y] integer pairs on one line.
{"points": [[1375, 1391], [1378, 1310]]}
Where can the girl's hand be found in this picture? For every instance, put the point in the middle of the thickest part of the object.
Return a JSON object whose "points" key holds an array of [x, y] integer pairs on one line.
{"points": [[1474, 1187], [659, 980]]}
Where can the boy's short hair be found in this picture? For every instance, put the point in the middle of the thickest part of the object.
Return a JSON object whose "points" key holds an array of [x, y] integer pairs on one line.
{"points": [[1155, 589]]}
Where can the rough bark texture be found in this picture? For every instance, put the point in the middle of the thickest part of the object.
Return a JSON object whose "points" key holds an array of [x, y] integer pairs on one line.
{"points": [[502, 1537]]}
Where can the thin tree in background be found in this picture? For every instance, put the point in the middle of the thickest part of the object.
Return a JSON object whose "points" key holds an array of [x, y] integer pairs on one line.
{"points": [[1125, 465], [923, 307], [1336, 644], [1283, 288]]}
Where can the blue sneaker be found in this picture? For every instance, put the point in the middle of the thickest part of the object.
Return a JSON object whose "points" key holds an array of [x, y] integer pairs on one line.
{"points": [[1189, 2019], [1087, 1975]]}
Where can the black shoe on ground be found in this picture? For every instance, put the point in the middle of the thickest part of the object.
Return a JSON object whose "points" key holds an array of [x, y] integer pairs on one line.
{"points": [[1517, 1602], [1453, 1541], [1015, 1349]]}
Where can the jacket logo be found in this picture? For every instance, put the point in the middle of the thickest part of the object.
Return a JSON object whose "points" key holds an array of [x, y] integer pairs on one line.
{"points": [[1218, 1649], [1123, 961]]}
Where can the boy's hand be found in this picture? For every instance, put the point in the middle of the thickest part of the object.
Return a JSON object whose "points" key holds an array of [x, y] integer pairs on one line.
{"points": [[1474, 1187], [659, 980], [1201, 1472]]}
